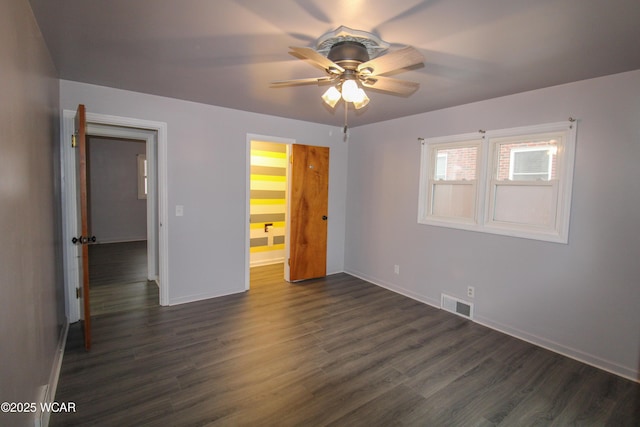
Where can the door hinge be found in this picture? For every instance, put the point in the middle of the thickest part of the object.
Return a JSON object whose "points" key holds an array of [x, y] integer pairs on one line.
{"points": [[73, 141], [77, 293], [289, 262]]}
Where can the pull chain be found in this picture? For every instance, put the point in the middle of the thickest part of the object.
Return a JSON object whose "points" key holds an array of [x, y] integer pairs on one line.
{"points": [[346, 127], [346, 110]]}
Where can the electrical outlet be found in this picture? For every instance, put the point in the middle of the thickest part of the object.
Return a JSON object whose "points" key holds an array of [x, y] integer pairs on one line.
{"points": [[471, 291], [396, 269]]}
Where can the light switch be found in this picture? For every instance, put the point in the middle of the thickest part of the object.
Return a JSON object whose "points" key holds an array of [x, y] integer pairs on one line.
{"points": [[179, 210]]}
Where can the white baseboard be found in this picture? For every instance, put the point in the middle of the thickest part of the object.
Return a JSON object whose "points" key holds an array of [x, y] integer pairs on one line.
{"points": [[572, 353], [263, 262], [47, 393], [562, 349], [395, 288], [200, 297]]}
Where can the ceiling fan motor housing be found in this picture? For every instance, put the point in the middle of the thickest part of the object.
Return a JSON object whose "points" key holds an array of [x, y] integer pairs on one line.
{"points": [[348, 54]]}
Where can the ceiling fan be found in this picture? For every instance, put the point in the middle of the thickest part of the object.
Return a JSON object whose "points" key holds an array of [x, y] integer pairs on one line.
{"points": [[353, 59]]}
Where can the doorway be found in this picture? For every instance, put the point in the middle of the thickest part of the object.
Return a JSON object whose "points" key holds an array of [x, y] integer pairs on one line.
{"points": [[267, 203], [155, 136], [267, 182], [287, 209], [117, 215]]}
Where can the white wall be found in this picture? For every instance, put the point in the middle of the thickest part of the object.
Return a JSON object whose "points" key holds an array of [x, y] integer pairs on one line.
{"points": [[31, 281], [581, 299], [116, 214], [207, 155]]}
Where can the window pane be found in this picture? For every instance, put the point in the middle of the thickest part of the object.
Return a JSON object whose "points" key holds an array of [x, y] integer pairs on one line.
{"points": [[142, 176], [441, 166], [145, 176], [456, 164], [530, 165], [527, 160], [453, 200], [522, 204]]}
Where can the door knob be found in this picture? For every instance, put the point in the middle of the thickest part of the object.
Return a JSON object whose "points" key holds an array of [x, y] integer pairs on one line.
{"points": [[83, 240]]}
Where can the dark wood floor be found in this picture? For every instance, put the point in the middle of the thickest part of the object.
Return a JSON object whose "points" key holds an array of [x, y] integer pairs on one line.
{"points": [[118, 278], [335, 351]]}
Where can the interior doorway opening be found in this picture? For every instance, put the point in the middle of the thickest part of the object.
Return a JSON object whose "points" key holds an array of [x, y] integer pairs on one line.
{"points": [[155, 136], [268, 203], [118, 179], [287, 190]]}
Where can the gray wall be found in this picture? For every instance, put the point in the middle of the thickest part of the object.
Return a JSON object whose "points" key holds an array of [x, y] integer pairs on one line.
{"points": [[116, 213], [207, 156], [581, 299], [31, 310]]}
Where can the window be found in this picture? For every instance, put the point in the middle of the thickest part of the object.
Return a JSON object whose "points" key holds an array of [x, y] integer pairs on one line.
{"points": [[142, 176], [452, 183], [521, 187]]}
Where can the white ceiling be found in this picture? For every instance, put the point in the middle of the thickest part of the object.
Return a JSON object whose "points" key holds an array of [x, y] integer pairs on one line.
{"points": [[226, 52]]}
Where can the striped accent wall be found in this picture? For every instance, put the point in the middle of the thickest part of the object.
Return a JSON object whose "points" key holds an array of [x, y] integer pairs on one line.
{"points": [[267, 202]]}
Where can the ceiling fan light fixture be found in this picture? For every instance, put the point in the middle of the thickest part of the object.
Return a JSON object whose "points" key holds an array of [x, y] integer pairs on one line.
{"points": [[362, 100], [352, 59], [350, 90], [332, 96]]}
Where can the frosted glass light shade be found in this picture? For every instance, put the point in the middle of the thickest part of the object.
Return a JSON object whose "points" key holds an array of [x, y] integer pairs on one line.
{"points": [[362, 99], [331, 96], [349, 90]]}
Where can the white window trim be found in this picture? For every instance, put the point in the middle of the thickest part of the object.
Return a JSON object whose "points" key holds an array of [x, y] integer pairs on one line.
{"points": [[433, 182], [427, 182], [485, 190]]}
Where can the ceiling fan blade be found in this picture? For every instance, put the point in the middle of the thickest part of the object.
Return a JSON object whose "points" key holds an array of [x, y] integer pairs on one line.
{"points": [[388, 84], [318, 59], [405, 57], [298, 82]]}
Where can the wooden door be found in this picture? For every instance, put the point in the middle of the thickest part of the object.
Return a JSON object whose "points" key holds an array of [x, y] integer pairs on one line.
{"points": [[83, 224], [308, 212]]}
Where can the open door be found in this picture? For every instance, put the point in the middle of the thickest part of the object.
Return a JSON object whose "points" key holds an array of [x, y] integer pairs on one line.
{"points": [[308, 212], [83, 225]]}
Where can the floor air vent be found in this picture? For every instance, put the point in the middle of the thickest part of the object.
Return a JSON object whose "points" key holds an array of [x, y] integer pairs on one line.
{"points": [[457, 306]]}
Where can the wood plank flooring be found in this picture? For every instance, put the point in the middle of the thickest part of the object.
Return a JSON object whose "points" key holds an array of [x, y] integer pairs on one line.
{"points": [[336, 351], [118, 278]]}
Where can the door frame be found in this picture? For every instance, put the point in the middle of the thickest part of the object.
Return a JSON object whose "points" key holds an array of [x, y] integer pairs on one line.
{"points": [[115, 126], [149, 137], [247, 254]]}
